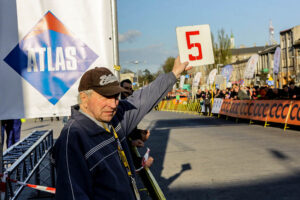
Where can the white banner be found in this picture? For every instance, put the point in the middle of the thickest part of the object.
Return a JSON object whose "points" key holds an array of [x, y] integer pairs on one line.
{"points": [[46, 46], [196, 80], [220, 79], [217, 105], [276, 60], [181, 83], [211, 76], [250, 67]]}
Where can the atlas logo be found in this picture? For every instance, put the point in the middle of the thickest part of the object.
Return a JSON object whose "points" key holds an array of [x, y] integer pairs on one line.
{"points": [[51, 58]]}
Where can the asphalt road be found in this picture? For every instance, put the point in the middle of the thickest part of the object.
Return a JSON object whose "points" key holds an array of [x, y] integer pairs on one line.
{"points": [[198, 157]]}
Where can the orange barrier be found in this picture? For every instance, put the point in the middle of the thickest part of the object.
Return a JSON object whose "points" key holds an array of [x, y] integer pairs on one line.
{"points": [[279, 111], [294, 116]]}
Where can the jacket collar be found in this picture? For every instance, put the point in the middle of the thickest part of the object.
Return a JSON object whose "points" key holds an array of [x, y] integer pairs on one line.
{"points": [[90, 126]]}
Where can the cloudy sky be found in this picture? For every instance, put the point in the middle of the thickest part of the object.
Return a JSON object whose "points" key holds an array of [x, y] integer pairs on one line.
{"points": [[147, 27]]}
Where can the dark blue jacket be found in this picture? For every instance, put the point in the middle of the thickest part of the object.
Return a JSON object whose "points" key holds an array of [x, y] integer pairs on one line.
{"points": [[86, 156]]}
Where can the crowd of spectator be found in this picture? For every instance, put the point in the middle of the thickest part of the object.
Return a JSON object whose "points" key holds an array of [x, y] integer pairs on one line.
{"points": [[240, 92], [257, 93]]}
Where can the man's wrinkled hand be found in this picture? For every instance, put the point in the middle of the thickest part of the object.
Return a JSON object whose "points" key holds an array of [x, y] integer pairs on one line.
{"points": [[179, 67], [149, 162]]}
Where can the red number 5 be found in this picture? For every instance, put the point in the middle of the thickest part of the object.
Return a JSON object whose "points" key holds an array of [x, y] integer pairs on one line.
{"points": [[198, 45]]}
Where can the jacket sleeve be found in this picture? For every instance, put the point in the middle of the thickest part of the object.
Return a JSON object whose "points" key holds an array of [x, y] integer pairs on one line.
{"points": [[73, 176], [144, 99]]}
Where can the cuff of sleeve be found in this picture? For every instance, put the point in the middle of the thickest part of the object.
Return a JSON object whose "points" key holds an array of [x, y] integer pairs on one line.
{"points": [[172, 76]]}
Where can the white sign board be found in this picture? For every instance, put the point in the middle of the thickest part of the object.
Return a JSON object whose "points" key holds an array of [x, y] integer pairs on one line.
{"points": [[195, 45], [217, 105], [46, 46], [250, 67]]}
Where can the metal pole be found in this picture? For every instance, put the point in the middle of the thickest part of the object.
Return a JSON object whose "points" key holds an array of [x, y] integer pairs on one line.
{"points": [[115, 36], [2, 195]]}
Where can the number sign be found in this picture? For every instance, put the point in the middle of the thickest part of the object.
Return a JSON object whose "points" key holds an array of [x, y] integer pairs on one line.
{"points": [[195, 45]]}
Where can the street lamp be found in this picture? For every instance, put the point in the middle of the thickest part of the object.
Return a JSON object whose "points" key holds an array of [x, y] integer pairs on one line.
{"points": [[137, 72]]}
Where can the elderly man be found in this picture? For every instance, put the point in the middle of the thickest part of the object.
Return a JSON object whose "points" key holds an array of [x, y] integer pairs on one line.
{"points": [[91, 155]]}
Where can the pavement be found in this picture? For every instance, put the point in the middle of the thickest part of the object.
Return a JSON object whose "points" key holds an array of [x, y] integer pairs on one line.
{"points": [[197, 157]]}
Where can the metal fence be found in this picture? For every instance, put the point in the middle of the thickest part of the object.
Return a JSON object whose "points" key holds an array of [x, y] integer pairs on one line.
{"points": [[24, 160]]}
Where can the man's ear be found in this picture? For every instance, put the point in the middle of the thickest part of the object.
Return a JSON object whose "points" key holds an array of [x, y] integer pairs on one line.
{"points": [[84, 99]]}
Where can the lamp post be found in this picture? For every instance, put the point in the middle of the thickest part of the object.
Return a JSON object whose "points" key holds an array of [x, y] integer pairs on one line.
{"points": [[137, 72]]}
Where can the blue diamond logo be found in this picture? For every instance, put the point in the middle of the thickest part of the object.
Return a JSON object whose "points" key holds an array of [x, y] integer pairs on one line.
{"points": [[50, 58]]}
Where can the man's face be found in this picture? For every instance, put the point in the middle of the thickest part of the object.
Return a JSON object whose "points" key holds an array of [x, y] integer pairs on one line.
{"points": [[128, 87], [99, 107]]}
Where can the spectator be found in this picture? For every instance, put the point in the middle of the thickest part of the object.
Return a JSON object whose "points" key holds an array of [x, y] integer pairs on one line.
{"points": [[242, 94], [294, 92], [137, 137], [207, 102], [12, 127], [284, 94], [234, 93]]}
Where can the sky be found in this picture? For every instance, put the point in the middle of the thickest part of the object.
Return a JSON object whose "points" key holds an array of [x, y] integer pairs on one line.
{"points": [[147, 35]]}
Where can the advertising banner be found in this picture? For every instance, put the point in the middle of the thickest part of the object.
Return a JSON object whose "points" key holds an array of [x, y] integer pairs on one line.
{"points": [[211, 76], [250, 67], [217, 105], [46, 46], [196, 80], [276, 60], [294, 115], [181, 83], [226, 72], [278, 111]]}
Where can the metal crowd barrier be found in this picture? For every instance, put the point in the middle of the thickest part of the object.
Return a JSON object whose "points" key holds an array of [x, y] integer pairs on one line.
{"points": [[186, 106], [23, 160], [149, 181]]}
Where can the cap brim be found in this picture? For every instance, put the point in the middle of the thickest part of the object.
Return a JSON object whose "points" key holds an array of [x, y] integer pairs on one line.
{"points": [[110, 90]]}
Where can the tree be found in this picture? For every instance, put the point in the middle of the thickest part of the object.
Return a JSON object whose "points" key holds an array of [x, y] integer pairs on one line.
{"points": [[148, 76], [221, 48], [168, 65], [124, 71]]}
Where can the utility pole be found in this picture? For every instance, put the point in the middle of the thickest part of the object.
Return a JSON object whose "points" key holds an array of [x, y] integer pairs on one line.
{"points": [[137, 72]]}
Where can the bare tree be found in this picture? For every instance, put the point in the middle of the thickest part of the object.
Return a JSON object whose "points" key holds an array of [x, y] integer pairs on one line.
{"points": [[221, 48]]}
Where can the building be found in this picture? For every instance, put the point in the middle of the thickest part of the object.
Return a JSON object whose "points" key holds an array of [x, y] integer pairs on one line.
{"points": [[290, 55], [127, 76], [239, 59], [265, 65]]}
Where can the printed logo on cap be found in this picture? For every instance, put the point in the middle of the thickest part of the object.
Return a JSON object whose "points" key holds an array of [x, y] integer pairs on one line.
{"points": [[51, 58]]}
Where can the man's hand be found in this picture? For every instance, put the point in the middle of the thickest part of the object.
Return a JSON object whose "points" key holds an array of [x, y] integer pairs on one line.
{"points": [[137, 143], [149, 162], [179, 67]]}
